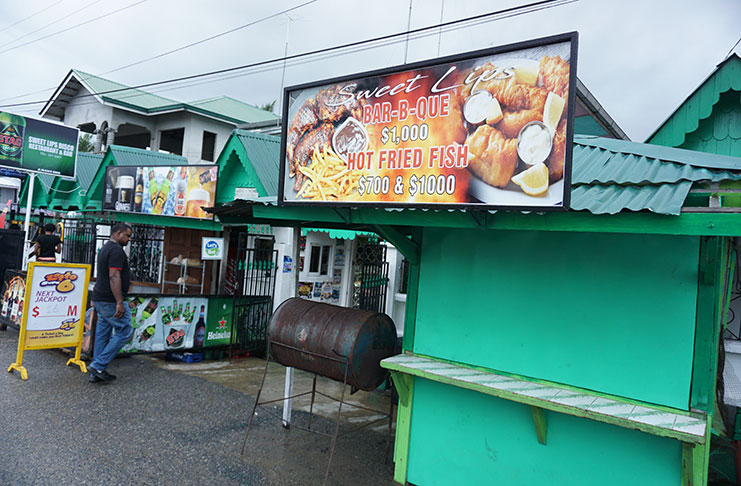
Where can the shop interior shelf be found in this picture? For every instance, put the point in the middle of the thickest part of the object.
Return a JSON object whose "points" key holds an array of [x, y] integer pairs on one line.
{"points": [[541, 395]]}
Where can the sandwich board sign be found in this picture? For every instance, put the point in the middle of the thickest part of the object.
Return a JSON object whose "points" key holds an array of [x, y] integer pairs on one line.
{"points": [[53, 310]]}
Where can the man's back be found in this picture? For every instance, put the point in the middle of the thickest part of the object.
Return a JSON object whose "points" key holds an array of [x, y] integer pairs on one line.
{"points": [[111, 255]]}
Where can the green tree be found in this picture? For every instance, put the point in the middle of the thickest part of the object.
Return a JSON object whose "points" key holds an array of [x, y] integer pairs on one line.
{"points": [[268, 106], [86, 143]]}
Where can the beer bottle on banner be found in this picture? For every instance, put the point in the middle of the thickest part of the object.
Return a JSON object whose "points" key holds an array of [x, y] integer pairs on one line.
{"points": [[147, 333], [166, 319], [149, 309], [12, 131], [200, 332], [152, 187], [186, 312], [139, 191], [161, 198]]}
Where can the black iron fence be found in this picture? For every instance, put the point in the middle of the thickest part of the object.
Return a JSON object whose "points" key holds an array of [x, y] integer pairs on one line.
{"points": [[145, 254], [371, 275], [79, 241]]}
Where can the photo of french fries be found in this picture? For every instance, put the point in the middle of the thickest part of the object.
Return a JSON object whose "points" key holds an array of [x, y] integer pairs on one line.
{"points": [[326, 177]]}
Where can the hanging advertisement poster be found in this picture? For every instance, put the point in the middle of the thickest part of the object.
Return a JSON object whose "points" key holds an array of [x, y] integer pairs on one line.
{"points": [[165, 323], [32, 145], [219, 322], [14, 290], [487, 129], [52, 310], [170, 191]]}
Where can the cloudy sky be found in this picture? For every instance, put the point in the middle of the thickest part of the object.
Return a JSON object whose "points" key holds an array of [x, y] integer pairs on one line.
{"points": [[639, 58]]}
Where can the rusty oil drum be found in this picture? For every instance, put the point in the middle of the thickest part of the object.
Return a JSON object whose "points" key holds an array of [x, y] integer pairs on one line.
{"points": [[333, 335]]}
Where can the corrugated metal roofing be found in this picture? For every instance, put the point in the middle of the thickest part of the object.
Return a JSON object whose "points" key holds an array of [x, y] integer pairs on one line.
{"points": [[122, 93], [264, 154], [87, 166], [235, 109], [699, 105], [128, 156]]}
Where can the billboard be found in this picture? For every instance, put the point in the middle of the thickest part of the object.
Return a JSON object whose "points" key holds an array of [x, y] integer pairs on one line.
{"points": [[32, 145], [170, 191], [488, 129]]}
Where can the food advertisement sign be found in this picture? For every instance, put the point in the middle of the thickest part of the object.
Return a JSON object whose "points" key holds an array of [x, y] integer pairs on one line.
{"points": [[163, 323], [32, 145], [489, 129], [170, 191], [54, 305]]}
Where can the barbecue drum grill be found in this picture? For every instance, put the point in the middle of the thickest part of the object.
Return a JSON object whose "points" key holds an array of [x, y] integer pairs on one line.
{"points": [[323, 338]]}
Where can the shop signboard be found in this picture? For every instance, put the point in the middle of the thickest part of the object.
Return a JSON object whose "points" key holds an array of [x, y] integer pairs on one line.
{"points": [[219, 321], [181, 191], [166, 323], [488, 129], [212, 248], [32, 145], [51, 309]]}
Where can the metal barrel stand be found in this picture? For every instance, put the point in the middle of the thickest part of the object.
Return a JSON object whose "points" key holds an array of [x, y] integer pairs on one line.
{"points": [[343, 360]]}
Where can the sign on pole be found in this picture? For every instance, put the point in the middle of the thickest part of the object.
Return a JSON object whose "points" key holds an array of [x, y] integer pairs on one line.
{"points": [[53, 310]]}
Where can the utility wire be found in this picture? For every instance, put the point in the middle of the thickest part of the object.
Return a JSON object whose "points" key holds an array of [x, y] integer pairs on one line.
{"points": [[30, 16], [734, 46], [211, 38], [51, 23], [474, 20], [74, 26]]}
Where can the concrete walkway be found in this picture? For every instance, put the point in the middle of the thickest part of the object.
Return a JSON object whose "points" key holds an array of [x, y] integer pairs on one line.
{"points": [[173, 423]]}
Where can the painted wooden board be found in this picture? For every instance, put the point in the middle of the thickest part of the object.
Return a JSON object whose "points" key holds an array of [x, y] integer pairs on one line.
{"points": [[581, 403]]}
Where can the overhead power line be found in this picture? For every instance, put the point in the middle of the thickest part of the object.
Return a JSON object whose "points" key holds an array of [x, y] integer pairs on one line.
{"points": [[326, 52], [30, 16], [74, 26]]}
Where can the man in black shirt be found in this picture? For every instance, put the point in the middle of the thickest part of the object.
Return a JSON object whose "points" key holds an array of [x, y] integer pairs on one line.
{"points": [[109, 294], [47, 244]]}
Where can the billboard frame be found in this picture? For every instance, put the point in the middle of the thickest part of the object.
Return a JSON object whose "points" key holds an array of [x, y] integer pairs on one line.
{"points": [[571, 37]]}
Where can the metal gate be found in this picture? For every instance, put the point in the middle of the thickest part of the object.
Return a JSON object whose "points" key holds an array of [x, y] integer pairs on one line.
{"points": [[79, 241], [253, 298], [372, 271]]}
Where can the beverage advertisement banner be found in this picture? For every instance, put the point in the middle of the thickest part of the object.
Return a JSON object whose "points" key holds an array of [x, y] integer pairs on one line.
{"points": [[219, 321], [488, 129], [14, 291], [164, 323], [54, 305], [33, 145], [170, 191]]}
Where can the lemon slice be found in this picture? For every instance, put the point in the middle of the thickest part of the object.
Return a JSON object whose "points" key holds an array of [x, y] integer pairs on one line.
{"points": [[494, 113], [533, 181], [553, 110], [526, 72]]}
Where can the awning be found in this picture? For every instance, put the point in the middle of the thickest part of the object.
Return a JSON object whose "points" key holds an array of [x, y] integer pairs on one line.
{"points": [[338, 233]]}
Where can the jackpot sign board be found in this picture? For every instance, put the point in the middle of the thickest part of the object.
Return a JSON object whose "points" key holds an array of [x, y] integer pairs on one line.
{"points": [[488, 129], [33, 145]]}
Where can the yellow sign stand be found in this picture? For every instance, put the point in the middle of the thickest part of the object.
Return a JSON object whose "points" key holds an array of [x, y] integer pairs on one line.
{"points": [[53, 310]]}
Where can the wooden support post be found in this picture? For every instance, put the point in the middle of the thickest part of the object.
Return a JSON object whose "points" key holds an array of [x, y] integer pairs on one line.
{"points": [[405, 388], [540, 425]]}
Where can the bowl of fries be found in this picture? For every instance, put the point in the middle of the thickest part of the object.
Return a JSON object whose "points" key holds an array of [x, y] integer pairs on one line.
{"points": [[327, 177]]}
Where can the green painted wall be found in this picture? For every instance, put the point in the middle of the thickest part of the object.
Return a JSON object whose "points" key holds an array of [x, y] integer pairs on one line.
{"points": [[234, 173], [613, 313], [472, 439]]}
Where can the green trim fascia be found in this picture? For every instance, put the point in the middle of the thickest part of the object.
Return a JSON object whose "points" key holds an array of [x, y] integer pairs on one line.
{"points": [[715, 224], [233, 145], [407, 247], [168, 221], [410, 310]]}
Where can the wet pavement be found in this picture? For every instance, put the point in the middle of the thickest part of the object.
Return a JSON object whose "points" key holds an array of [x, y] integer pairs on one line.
{"points": [[175, 423]]}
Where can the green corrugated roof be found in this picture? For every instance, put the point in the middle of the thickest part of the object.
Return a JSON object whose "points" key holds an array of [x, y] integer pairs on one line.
{"points": [[128, 156], [65, 193], [609, 175], [263, 152], [224, 108], [235, 109], [699, 106]]}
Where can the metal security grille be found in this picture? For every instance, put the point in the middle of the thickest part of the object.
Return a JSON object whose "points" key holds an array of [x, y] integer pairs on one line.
{"points": [[253, 297], [145, 257], [79, 241], [371, 270]]}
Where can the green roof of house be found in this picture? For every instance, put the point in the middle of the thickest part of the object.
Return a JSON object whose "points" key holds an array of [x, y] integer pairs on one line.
{"points": [[709, 119], [130, 156], [111, 92], [67, 194], [249, 159]]}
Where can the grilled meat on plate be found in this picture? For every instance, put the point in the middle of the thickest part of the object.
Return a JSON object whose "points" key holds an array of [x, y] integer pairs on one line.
{"points": [[316, 139]]}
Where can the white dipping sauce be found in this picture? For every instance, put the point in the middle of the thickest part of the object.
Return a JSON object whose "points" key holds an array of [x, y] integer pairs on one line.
{"points": [[534, 144]]}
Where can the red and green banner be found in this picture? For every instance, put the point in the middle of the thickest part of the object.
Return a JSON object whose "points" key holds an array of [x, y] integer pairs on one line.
{"points": [[488, 129]]}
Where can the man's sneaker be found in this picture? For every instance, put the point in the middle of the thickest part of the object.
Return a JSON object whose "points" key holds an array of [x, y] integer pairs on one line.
{"points": [[100, 375], [94, 379]]}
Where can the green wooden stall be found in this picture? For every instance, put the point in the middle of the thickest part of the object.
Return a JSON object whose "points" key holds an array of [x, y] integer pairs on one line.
{"points": [[580, 347]]}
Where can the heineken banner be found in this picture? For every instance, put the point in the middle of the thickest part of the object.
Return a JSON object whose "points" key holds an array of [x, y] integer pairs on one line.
{"points": [[170, 191], [32, 145], [170, 323]]}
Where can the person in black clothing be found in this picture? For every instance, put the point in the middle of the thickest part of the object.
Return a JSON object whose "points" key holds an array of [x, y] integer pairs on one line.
{"points": [[47, 244], [113, 328]]}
